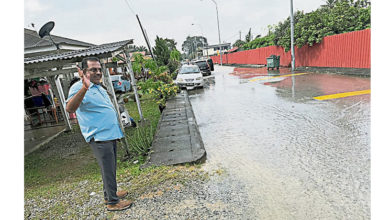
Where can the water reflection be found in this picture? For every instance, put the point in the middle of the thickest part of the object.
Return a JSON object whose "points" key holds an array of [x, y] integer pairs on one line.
{"points": [[289, 149], [298, 86], [293, 85], [275, 72]]}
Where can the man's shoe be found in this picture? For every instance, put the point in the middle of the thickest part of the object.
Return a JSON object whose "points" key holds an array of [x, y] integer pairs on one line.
{"points": [[121, 194], [121, 205]]}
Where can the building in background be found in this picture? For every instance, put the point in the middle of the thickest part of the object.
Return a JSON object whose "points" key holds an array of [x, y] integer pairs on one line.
{"points": [[212, 50], [34, 45]]}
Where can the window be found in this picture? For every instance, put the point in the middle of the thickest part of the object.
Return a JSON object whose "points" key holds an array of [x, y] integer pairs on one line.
{"points": [[189, 69]]}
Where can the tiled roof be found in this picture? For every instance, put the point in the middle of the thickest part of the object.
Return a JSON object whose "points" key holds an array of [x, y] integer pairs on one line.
{"points": [[232, 50], [91, 51], [32, 40]]}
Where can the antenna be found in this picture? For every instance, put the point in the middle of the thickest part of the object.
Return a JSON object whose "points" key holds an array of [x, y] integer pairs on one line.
{"points": [[33, 26], [45, 31]]}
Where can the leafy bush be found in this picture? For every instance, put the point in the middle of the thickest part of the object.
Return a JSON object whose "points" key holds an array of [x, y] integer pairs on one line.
{"points": [[157, 75], [159, 89], [141, 140], [260, 42], [337, 17], [160, 85], [174, 63]]}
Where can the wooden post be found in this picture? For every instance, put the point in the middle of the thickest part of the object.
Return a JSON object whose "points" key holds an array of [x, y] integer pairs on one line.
{"points": [[146, 37], [58, 93], [66, 83], [111, 93], [133, 84]]}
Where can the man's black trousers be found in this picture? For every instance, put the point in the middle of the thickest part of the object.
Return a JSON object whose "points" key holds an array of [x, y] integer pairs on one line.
{"points": [[105, 154]]}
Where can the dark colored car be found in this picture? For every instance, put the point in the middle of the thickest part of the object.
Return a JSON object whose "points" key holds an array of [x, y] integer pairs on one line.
{"points": [[204, 67], [211, 64]]}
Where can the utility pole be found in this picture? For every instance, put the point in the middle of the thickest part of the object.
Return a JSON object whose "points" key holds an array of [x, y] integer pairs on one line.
{"points": [[219, 33], [146, 38], [292, 36], [142, 29], [196, 48], [240, 34]]}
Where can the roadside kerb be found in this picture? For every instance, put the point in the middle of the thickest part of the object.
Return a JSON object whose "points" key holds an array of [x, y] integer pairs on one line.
{"points": [[177, 139], [47, 140]]}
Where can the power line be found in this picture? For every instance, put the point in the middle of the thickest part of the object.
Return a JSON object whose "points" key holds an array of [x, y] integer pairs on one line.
{"points": [[128, 4]]}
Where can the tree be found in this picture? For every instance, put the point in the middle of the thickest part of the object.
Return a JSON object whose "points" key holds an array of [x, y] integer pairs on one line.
{"points": [[174, 61], [171, 44], [330, 3], [336, 17], [175, 55], [141, 49], [248, 37], [158, 82], [191, 44], [260, 42], [282, 34], [239, 43], [166, 54], [340, 17], [161, 52]]}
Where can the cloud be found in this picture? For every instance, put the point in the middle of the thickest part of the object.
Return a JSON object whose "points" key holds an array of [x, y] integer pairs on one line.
{"points": [[34, 6]]}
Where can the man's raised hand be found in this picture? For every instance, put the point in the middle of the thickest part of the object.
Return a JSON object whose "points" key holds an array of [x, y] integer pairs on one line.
{"points": [[84, 78]]}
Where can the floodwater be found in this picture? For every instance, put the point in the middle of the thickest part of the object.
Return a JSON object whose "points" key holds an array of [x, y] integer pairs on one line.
{"points": [[298, 157]]}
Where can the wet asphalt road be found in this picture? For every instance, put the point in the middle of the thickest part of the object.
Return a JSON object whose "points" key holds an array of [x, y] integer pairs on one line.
{"points": [[294, 157]]}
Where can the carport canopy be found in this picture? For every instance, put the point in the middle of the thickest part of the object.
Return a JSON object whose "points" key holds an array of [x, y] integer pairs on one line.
{"points": [[53, 65], [63, 63]]}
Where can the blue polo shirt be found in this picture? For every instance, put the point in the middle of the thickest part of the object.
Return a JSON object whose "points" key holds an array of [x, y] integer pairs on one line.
{"points": [[96, 114]]}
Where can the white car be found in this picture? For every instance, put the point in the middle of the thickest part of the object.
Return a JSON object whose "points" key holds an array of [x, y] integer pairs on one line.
{"points": [[189, 77]]}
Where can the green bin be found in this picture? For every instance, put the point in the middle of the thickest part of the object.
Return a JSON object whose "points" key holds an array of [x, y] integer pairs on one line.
{"points": [[273, 62]]}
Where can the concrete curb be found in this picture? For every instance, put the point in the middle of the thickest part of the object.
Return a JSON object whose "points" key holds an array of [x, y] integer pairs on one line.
{"points": [[365, 72], [177, 139], [244, 65], [338, 70], [44, 142]]}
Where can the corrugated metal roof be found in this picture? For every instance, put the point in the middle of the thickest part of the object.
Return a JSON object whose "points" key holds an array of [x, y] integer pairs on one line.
{"points": [[91, 51], [217, 45]]}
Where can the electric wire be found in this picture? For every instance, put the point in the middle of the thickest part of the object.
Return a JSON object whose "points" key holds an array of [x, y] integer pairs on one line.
{"points": [[128, 4]]}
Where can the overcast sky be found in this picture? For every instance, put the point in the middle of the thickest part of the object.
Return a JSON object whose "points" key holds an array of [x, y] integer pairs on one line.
{"points": [[98, 21]]}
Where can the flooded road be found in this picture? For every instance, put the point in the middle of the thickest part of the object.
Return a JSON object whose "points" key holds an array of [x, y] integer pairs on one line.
{"points": [[298, 157]]}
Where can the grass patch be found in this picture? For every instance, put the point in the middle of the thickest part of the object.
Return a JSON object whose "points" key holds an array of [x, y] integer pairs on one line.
{"points": [[60, 177], [140, 138], [66, 158]]}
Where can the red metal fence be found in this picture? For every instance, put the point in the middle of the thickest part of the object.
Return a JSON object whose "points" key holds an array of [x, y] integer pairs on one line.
{"points": [[343, 50]]}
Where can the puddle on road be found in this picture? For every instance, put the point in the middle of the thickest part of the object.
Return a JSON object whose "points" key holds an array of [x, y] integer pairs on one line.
{"points": [[299, 158]]}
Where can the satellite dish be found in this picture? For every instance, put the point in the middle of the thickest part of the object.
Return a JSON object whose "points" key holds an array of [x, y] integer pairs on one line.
{"points": [[45, 29]]}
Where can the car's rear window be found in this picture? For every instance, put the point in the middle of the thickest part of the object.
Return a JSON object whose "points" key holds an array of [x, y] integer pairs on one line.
{"points": [[189, 69], [201, 63], [115, 78]]}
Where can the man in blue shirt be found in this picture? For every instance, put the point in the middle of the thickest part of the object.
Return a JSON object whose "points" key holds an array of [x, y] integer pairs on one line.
{"points": [[100, 127]]}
